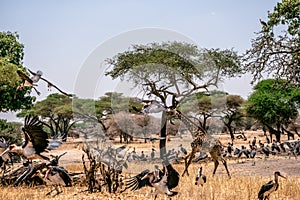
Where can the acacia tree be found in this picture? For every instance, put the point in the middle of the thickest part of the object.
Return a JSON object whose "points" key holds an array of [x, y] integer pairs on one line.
{"points": [[233, 112], [276, 49], [56, 113], [169, 72], [215, 104], [273, 108], [11, 56]]}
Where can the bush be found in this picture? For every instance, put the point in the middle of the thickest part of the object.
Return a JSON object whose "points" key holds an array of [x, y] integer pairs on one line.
{"points": [[11, 132]]}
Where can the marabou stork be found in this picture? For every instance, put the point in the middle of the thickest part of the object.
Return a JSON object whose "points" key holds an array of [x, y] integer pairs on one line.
{"points": [[263, 23], [253, 141], [31, 82], [183, 150], [230, 149], [200, 178], [268, 188], [151, 139], [274, 146], [152, 154], [3, 158], [36, 140], [151, 106], [202, 156], [167, 180], [55, 176]]}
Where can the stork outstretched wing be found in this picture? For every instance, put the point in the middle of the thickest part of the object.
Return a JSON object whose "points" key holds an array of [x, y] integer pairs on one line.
{"points": [[34, 133], [24, 76], [52, 85], [136, 182], [173, 175]]}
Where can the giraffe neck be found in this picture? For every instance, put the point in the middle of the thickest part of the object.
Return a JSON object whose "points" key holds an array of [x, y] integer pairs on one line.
{"points": [[196, 130]]}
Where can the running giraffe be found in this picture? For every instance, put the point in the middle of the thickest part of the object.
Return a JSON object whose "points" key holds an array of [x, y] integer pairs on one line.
{"points": [[199, 135]]}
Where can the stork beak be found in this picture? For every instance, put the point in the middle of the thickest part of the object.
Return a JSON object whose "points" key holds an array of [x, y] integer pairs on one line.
{"points": [[283, 176], [4, 152], [146, 176]]}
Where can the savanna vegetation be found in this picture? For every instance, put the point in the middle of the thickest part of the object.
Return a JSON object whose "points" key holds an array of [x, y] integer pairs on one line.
{"points": [[179, 76]]}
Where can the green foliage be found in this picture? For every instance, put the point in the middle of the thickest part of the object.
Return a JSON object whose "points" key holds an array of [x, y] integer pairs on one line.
{"points": [[276, 48], [55, 111], [172, 68], [11, 55], [286, 13], [10, 131], [11, 48], [9, 81], [111, 102], [273, 104], [185, 59], [228, 61], [204, 106]]}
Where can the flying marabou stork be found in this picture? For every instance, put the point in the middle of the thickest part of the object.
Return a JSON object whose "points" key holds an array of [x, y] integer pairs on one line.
{"points": [[167, 180], [268, 188], [36, 140], [31, 82]]}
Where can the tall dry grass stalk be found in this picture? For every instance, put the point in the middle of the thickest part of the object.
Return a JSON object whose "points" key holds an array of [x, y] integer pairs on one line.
{"points": [[218, 187]]}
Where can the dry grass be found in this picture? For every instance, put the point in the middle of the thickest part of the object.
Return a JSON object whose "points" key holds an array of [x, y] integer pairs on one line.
{"points": [[244, 185], [219, 187]]}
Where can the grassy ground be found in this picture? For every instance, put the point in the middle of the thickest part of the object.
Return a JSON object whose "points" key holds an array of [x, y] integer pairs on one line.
{"points": [[218, 187], [245, 182]]}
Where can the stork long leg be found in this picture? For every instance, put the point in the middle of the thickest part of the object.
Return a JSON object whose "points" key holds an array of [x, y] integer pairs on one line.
{"points": [[57, 191], [56, 188], [50, 192], [36, 91]]}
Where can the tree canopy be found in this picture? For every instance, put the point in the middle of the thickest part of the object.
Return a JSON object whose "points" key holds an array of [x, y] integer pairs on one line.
{"points": [[276, 49], [273, 107], [11, 48], [56, 113], [11, 55], [204, 106], [172, 71]]}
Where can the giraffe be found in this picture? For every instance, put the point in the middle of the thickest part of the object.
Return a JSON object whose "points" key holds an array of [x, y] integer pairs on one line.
{"points": [[199, 135]]}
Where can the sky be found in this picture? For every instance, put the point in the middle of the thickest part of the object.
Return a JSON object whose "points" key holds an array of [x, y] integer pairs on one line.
{"points": [[64, 39]]}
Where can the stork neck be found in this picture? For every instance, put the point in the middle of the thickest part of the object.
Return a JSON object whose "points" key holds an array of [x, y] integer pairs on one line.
{"points": [[276, 178], [18, 150]]}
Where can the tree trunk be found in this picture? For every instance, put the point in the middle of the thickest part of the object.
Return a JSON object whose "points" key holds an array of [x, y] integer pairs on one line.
{"points": [[230, 131], [272, 131], [278, 132], [163, 133]]}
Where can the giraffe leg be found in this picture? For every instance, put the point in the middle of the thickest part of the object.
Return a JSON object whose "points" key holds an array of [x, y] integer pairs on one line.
{"points": [[216, 165], [225, 165], [187, 164]]}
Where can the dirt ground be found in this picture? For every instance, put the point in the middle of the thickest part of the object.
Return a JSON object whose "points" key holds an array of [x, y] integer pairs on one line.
{"points": [[260, 166], [247, 175]]}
